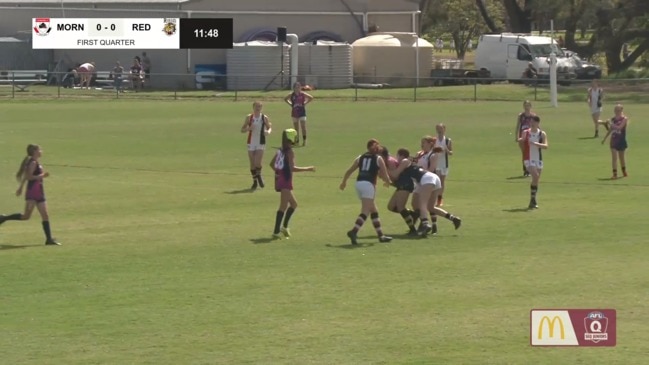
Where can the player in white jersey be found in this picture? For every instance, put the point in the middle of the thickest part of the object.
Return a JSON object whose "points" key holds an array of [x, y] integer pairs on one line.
{"points": [[594, 100], [258, 126], [445, 144], [535, 141], [428, 160]]}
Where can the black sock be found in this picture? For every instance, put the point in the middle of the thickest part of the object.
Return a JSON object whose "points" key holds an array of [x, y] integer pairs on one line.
{"points": [[278, 221], [624, 169], [14, 217], [304, 137], [614, 171], [359, 222], [533, 190], [253, 172], [46, 229], [287, 217], [433, 217], [407, 217]]}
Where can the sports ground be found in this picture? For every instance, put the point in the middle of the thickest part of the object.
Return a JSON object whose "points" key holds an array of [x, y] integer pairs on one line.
{"points": [[167, 257]]}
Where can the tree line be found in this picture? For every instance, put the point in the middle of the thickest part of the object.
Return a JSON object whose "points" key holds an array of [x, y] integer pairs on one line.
{"points": [[589, 27]]}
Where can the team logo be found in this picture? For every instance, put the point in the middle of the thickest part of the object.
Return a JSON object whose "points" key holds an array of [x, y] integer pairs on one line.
{"points": [[170, 26], [42, 26], [551, 323], [595, 325]]}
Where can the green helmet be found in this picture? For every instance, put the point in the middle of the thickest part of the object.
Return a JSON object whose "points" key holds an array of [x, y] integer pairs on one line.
{"points": [[291, 135]]}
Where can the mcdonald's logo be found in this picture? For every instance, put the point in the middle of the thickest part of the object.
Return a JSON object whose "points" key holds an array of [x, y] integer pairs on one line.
{"points": [[552, 327], [551, 323]]}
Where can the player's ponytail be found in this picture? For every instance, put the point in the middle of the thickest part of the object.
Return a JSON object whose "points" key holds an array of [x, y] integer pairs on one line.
{"points": [[31, 149]]}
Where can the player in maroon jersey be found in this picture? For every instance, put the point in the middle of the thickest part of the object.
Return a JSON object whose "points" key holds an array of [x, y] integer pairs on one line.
{"points": [[523, 122], [32, 173], [298, 100], [284, 165]]}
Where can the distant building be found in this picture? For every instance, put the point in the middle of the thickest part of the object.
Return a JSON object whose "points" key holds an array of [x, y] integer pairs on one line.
{"points": [[345, 20]]}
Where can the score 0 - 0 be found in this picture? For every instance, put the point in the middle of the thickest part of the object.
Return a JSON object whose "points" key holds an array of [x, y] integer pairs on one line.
{"points": [[106, 28]]}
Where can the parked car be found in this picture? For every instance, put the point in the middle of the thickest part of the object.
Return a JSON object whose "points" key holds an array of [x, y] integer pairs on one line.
{"points": [[584, 69]]}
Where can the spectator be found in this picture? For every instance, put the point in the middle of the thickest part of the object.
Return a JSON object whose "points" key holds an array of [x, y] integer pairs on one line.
{"points": [[146, 67], [86, 72], [117, 75], [136, 75], [530, 72]]}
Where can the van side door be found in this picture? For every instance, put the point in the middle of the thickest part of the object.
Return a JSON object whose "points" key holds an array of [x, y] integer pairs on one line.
{"points": [[518, 56]]}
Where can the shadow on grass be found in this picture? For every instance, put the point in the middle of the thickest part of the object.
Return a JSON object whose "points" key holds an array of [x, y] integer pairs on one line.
{"points": [[584, 138], [13, 247], [517, 210], [264, 240], [349, 246], [242, 191], [519, 177]]}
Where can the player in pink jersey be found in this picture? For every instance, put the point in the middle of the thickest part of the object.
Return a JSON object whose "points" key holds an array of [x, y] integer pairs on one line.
{"points": [[618, 144], [298, 100], [284, 165], [31, 172]]}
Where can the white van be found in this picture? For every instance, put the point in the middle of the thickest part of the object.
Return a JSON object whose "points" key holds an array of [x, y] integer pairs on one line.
{"points": [[507, 55]]}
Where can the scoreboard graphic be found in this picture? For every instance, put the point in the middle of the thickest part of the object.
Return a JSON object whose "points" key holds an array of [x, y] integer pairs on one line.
{"points": [[135, 33]]}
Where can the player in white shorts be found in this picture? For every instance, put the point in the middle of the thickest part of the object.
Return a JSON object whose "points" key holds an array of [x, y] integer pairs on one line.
{"points": [[370, 166], [442, 165], [428, 184], [594, 100], [258, 126], [535, 140]]}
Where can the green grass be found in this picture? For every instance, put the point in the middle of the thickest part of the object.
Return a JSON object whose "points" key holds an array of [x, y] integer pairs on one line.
{"points": [[166, 261]]}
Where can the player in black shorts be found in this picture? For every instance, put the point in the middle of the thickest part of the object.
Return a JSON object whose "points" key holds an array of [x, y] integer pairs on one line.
{"points": [[399, 198]]}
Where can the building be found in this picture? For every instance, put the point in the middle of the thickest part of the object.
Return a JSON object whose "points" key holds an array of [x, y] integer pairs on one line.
{"points": [[342, 20]]}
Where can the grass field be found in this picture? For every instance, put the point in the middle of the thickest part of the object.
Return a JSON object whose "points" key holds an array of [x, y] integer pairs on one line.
{"points": [[166, 258]]}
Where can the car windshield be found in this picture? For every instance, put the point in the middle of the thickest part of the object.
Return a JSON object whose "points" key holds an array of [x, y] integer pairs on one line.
{"points": [[577, 60], [544, 50]]}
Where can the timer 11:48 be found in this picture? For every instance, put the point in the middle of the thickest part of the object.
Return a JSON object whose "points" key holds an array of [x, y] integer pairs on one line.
{"points": [[206, 33]]}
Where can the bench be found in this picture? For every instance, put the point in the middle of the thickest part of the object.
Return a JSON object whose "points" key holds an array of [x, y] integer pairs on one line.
{"points": [[22, 79], [106, 79]]}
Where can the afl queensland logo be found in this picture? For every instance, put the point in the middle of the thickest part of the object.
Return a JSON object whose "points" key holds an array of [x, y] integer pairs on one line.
{"points": [[42, 26], [170, 26]]}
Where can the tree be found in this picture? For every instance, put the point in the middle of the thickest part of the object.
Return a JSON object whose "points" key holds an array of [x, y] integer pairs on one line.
{"points": [[460, 19], [578, 12], [626, 21]]}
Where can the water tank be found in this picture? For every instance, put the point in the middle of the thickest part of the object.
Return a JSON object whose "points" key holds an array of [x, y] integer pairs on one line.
{"points": [[258, 65], [390, 58], [325, 64]]}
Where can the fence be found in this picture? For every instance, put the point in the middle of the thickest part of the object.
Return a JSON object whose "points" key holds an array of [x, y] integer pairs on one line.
{"points": [[24, 85]]}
